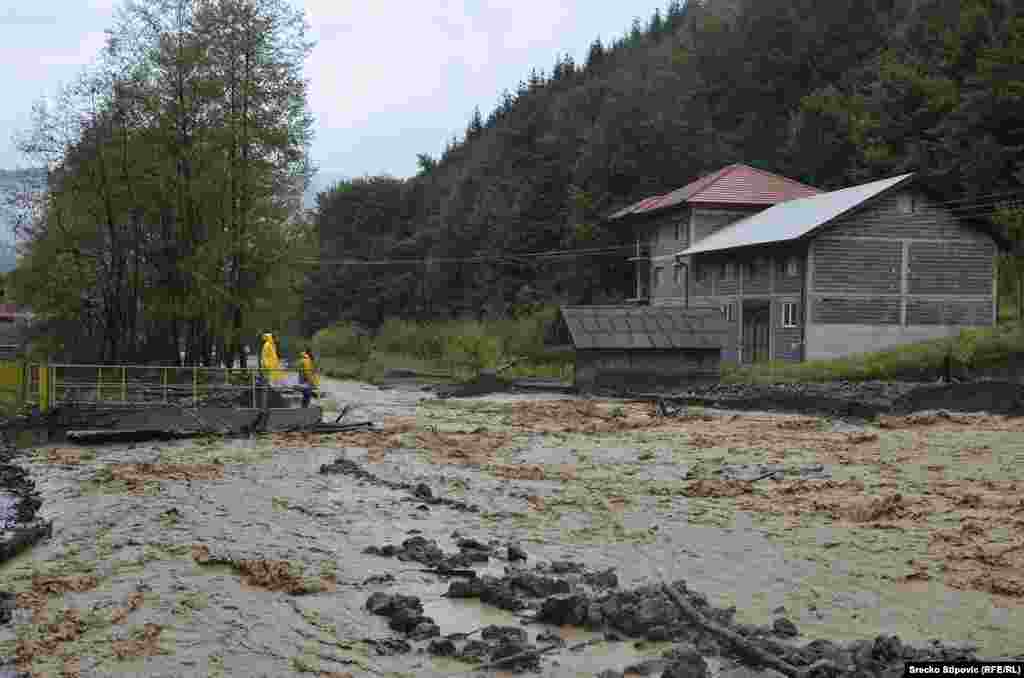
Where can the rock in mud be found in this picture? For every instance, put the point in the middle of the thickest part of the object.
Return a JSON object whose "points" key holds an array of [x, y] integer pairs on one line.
{"points": [[441, 647], [658, 634], [785, 628], [527, 663], [423, 491], [686, 663], [500, 594], [563, 610], [467, 543], [425, 630], [388, 605], [504, 634], [406, 620], [538, 586], [471, 588], [516, 552], [606, 579], [475, 650], [7, 605], [550, 637], [387, 647], [648, 667]]}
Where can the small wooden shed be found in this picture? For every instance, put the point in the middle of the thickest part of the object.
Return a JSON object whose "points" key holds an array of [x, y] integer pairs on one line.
{"points": [[644, 349]]}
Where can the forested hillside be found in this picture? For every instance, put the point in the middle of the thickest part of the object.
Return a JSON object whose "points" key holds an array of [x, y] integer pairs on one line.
{"points": [[830, 93]]}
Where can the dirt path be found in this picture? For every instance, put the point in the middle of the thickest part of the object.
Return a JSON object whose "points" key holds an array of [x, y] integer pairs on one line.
{"points": [[237, 558]]}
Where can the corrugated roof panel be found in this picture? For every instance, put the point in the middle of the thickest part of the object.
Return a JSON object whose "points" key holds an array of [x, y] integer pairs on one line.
{"points": [[734, 184], [645, 327], [792, 219]]}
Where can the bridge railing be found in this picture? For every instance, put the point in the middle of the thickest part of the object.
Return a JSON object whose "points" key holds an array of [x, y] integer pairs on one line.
{"points": [[47, 385]]}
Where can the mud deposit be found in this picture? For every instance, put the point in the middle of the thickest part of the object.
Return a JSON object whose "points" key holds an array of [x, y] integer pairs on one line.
{"points": [[524, 534]]}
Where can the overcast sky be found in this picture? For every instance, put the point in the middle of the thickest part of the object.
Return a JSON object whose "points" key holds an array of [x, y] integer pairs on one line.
{"points": [[388, 79]]}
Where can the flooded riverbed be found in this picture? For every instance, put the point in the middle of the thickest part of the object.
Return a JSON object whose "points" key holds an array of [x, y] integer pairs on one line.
{"points": [[237, 557]]}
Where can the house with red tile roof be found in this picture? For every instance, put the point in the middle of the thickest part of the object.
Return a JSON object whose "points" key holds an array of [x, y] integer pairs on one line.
{"points": [[801, 274]]}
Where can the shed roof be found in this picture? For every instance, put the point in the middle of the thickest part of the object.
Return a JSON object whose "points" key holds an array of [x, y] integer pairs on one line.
{"points": [[645, 327], [736, 184], [793, 219]]}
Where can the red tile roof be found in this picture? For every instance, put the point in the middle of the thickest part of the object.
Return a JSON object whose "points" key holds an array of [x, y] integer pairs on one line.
{"points": [[739, 185]]}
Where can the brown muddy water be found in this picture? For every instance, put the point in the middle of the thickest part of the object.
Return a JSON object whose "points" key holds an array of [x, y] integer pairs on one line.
{"points": [[910, 526]]}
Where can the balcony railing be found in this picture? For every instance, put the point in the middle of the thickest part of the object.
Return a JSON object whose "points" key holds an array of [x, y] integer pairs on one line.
{"points": [[641, 250]]}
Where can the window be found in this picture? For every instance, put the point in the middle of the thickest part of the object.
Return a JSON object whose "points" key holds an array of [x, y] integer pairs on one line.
{"points": [[792, 267], [728, 271], [678, 225], [657, 276], [905, 203], [789, 314], [675, 273], [729, 312], [704, 274]]}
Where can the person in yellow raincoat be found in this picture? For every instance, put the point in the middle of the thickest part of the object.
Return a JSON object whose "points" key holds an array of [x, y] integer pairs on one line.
{"points": [[269, 362], [308, 376]]}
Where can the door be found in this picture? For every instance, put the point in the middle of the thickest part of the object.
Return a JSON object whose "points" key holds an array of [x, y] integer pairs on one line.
{"points": [[756, 331]]}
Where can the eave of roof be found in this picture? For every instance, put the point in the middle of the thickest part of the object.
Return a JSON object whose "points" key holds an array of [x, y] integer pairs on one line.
{"points": [[795, 218]]}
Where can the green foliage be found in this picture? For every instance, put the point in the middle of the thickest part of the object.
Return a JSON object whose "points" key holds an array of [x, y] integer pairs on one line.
{"points": [[460, 347], [976, 347], [341, 341]]}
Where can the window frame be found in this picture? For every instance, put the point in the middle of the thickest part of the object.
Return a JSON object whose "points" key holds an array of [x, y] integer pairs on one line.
{"points": [[729, 311], [792, 268], [656, 283], [790, 314], [729, 270]]}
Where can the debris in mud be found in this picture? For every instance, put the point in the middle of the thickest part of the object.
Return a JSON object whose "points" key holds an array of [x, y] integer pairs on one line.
{"points": [[532, 472], [419, 491], [272, 575], [875, 508], [19, 502], [135, 476], [135, 601], [68, 628], [388, 647], [42, 587], [718, 488], [144, 644], [473, 449], [67, 456]]}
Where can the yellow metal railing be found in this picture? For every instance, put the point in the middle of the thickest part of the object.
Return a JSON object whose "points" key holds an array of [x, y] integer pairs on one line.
{"points": [[47, 385]]}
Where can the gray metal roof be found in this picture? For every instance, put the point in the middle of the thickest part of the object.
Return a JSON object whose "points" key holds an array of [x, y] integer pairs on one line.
{"points": [[645, 327], [792, 219]]}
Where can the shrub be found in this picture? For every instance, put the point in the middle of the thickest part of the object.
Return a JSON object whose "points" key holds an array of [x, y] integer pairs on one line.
{"points": [[341, 341]]}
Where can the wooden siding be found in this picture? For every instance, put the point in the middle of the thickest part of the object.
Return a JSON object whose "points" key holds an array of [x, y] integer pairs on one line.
{"points": [[651, 369], [862, 311], [948, 312], [788, 283], [857, 266], [954, 267], [707, 221], [659, 232], [760, 281], [884, 219]]}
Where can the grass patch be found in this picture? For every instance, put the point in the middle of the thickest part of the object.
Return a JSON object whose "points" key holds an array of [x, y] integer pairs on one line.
{"points": [[972, 348]]}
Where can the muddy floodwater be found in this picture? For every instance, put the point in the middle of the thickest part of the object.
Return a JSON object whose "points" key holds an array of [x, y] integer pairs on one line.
{"points": [[237, 557]]}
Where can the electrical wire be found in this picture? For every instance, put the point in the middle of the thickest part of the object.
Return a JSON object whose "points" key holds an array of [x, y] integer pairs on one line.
{"points": [[974, 211]]}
